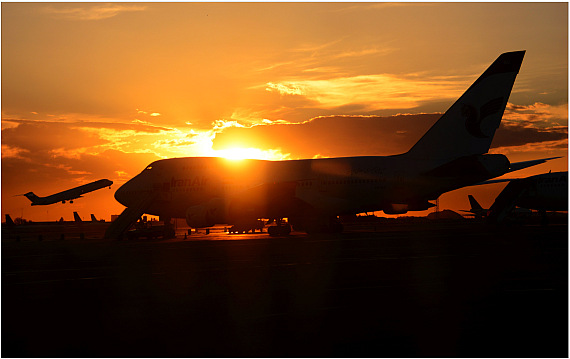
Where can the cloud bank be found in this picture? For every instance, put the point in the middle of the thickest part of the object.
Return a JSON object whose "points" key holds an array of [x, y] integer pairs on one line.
{"points": [[91, 11]]}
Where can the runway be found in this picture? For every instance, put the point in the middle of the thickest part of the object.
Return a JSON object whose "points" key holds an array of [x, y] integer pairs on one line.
{"points": [[459, 290]]}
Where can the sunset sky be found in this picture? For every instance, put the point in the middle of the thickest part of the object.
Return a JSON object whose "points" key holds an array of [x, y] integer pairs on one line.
{"points": [[100, 90]]}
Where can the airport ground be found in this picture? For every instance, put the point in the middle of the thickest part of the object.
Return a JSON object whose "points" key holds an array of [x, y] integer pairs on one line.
{"points": [[443, 289]]}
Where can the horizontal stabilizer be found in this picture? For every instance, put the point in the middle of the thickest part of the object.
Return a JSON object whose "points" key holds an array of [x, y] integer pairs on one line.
{"points": [[520, 165], [515, 167]]}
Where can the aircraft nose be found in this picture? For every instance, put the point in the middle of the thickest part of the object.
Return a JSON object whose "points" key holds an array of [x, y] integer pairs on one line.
{"points": [[122, 196]]}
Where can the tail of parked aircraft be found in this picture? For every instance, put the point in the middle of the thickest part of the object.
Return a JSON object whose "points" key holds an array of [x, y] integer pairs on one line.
{"points": [[475, 206], [9, 221], [76, 217], [93, 219], [468, 126]]}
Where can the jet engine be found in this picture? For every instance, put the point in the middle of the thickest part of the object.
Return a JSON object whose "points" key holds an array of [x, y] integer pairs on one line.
{"points": [[402, 208], [205, 215], [396, 208]]}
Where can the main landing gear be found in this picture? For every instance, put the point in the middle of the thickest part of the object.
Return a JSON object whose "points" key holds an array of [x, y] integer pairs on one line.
{"points": [[281, 228]]}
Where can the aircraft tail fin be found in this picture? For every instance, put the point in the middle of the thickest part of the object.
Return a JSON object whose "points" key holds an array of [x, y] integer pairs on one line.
{"points": [[93, 219], [9, 221], [76, 217], [474, 204], [32, 197], [468, 126]]}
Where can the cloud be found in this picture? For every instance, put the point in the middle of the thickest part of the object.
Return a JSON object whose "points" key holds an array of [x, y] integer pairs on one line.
{"points": [[544, 148], [73, 138], [519, 134], [370, 92], [365, 52], [330, 136], [91, 11], [13, 152], [37, 136], [538, 114], [285, 88], [32, 140]]}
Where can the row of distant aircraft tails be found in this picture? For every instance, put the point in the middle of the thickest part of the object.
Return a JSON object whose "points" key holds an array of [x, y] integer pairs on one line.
{"points": [[311, 193], [76, 218]]}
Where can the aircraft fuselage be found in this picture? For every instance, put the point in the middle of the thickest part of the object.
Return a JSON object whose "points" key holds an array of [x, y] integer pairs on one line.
{"points": [[270, 189]]}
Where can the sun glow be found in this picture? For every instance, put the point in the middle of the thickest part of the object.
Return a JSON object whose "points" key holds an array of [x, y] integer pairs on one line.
{"points": [[239, 153]]}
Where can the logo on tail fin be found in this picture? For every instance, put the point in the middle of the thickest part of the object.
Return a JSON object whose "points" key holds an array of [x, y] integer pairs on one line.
{"points": [[474, 118]]}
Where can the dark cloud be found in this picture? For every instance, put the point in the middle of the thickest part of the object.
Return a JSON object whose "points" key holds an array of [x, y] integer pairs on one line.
{"points": [[332, 136], [39, 136], [371, 135], [519, 134]]}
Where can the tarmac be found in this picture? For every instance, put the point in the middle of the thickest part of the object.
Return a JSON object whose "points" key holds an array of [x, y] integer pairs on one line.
{"points": [[445, 289]]}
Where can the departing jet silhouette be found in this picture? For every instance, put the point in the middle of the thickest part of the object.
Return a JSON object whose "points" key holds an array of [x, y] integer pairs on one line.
{"points": [[68, 195]]}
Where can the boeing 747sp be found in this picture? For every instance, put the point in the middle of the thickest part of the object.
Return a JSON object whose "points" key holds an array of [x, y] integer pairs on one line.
{"points": [[311, 193]]}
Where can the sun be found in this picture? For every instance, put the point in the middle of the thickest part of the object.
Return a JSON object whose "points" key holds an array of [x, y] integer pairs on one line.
{"points": [[240, 153]]}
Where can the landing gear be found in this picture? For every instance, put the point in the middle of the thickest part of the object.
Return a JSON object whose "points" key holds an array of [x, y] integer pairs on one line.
{"points": [[280, 229]]}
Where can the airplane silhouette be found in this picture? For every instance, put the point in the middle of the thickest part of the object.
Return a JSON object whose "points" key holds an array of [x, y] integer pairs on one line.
{"points": [[68, 195], [311, 193]]}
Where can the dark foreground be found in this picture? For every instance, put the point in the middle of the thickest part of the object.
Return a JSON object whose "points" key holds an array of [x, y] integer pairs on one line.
{"points": [[459, 290]]}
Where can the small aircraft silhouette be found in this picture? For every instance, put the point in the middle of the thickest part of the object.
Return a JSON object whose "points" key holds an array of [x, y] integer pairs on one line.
{"points": [[68, 195]]}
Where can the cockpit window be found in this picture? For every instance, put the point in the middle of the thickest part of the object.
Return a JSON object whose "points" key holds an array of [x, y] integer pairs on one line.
{"points": [[148, 168]]}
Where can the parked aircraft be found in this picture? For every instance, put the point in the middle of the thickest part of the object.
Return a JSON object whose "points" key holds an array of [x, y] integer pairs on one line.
{"points": [[9, 221], [476, 210], [479, 212], [68, 195], [311, 193], [544, 192]]}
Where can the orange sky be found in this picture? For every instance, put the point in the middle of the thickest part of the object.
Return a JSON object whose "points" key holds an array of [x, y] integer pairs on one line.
{"points": [[94, 90]]}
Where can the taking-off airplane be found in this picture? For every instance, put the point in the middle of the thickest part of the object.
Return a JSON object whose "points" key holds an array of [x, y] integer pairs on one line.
{"points": [[311, 193], [68, 195]]}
